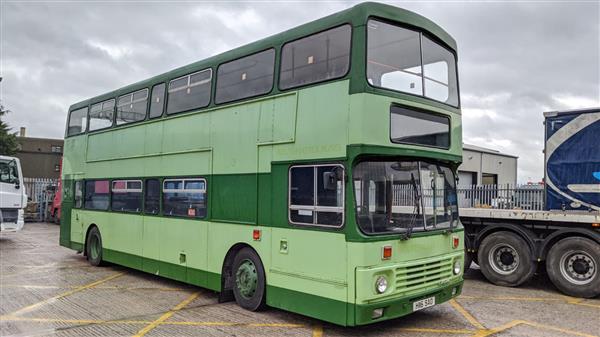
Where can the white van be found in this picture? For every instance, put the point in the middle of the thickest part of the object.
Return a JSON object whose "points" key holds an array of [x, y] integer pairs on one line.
{"points": [[13, 198]]}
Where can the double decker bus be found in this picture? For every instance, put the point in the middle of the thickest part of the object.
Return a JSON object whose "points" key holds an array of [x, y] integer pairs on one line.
{"points": [[312, 171]]}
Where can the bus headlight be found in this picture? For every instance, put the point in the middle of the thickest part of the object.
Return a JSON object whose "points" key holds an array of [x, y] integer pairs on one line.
{"points": [[381, 284], [457, 267]]}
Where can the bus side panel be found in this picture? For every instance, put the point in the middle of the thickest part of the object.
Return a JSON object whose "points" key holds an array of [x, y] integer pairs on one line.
{"points": [[308, 273], [65, 215], [222, 236]]}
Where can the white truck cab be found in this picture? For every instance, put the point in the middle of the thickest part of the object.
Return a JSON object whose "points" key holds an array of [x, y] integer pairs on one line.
{"points": [[13, 198]]}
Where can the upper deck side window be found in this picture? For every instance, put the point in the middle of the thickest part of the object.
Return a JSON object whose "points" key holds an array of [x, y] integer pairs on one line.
{"points": [[404, 60], [245, 77], [316, 58], [157, 102], [132, 107], [189, 92], [77, 121], [101, 115]]}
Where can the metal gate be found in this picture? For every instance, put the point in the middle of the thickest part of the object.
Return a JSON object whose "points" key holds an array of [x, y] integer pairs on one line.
{"points": [[40, 194]]}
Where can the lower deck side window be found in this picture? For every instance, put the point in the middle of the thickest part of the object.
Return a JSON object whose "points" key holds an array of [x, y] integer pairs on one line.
{"points": [[97, 194], [316, 195], [184, 197], [126, 195]]}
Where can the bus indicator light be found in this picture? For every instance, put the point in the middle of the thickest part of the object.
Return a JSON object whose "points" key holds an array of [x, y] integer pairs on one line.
{"points": [[455, 242], [256, 235], [386, 253]]}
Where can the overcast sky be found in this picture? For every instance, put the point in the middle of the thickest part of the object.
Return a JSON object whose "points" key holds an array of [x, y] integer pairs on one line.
{"points": [[516, 60]]}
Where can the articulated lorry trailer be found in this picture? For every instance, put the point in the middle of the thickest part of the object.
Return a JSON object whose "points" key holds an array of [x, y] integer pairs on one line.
{"points": [[509, 245]]}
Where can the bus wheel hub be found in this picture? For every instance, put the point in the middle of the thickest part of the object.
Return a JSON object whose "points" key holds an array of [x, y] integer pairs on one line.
{"points": [[246, 278]]}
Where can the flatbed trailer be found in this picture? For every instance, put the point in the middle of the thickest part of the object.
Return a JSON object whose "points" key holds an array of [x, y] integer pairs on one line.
{"points": [[510, 244]]}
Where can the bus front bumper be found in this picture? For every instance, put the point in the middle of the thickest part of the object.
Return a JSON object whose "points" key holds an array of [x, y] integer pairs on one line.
{"points": [[394, 308]]}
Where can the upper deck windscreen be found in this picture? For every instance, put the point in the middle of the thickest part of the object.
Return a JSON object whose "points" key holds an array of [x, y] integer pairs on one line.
{"points": [[405, 60]]}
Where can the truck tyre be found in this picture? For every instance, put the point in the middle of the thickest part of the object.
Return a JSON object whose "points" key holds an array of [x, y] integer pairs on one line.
{"points": [[572, 265], [468, 260], [505, 259], [93, 247], [249, 280]]}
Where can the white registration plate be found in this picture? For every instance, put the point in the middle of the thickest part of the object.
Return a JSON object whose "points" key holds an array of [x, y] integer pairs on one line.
{"points": [[424, 303]]}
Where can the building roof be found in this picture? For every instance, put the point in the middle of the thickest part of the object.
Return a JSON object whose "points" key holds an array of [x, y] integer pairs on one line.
{"points": [[476, 148]]}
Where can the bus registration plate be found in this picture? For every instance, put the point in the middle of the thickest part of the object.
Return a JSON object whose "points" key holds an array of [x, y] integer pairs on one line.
{"points": [[424, 303]]}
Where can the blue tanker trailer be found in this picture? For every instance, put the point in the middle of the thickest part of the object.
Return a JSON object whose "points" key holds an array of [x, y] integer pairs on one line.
{"points": [[510, 244]]}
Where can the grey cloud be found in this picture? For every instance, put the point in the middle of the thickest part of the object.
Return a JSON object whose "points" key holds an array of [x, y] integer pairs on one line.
{"points": [[516, 59]]}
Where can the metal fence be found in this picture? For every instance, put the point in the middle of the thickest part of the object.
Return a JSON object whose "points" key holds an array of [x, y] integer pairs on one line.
{"points": [[527, 197], [40, 193]]}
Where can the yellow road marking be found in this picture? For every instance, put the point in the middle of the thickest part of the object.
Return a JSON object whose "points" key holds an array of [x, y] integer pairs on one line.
{"points": [[572, 300], [467, 315], [589, 305], [512, 324], [443, 331], [540, 299], [65, 294], [317, 331], [33, 286], [167, 315]]}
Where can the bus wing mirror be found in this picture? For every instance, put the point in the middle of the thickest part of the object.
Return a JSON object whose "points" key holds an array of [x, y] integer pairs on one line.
{"points": [[331, 178]]}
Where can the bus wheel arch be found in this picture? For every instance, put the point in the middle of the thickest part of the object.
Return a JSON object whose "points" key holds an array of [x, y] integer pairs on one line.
{"points": [[241, 261], [227, 278]]}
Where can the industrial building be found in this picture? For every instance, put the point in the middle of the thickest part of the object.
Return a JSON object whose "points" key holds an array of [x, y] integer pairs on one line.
{"points": [[483, 166]]}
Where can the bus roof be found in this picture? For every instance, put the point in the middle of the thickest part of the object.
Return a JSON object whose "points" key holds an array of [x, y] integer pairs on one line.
{"points": [[356, 15]]}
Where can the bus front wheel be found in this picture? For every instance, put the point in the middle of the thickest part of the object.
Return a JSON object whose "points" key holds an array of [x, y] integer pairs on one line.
{"points": [[249, 280], [94, 247]]}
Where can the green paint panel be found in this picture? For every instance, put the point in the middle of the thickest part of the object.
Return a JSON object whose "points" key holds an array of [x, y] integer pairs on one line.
{"points": [[234, 198], [307, 304]]}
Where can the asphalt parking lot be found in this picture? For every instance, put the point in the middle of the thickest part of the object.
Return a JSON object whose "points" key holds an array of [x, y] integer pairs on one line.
{"points": [[48, 290]]}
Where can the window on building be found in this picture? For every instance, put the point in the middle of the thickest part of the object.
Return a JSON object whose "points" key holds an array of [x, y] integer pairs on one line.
{"points": [[78, 194], [56, 149], [189, 92], [97, 194], [126, 195], [420, 128], [152, 199], [245, 77], [184, 197], [77, 121], [132, 107], [316, 58], [101, 115], [317, 195], [157, 102]]}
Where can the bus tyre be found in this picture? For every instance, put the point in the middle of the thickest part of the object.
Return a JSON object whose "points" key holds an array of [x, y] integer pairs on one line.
{"points": [[505, 259], [249, 280], [93, 247], [572, 265]]}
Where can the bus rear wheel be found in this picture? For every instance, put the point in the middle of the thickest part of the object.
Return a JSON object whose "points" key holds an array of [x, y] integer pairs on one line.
{"points": [[572, 266], [93, 247], [505, 259], [249, 280]]}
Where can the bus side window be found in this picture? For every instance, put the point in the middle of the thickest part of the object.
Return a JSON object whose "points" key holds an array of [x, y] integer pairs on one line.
{"points": [[184, 197], [152, 197], [126, 196], [78, 194], [97, 194], [157, 101], [317, 195]]}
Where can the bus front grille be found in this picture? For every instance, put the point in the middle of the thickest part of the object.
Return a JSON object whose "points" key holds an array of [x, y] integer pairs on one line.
{"points": [[415, 277]]}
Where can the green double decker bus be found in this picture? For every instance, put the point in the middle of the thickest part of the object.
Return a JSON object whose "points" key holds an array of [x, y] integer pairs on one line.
{"points": [[312, 171]]}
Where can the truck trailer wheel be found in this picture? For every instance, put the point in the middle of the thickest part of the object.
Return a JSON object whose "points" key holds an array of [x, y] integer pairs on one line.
{"points": [[572, 266], [505, 259]]}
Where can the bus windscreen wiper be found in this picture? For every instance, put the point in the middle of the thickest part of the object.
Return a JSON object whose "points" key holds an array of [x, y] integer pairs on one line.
{"points": [[417, 210]]}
